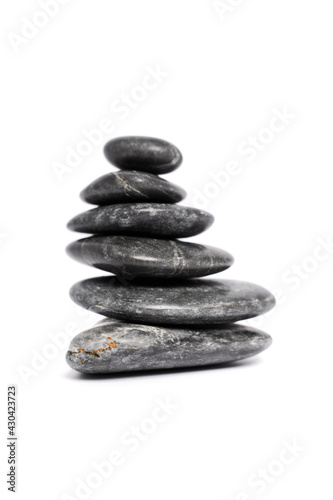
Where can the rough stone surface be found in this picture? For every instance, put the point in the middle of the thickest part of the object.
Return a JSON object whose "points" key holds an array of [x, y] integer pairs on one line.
{"points": [[146, 154], [129, 187], [191, 302], [112, 347], [156, 219], [130, 257]]}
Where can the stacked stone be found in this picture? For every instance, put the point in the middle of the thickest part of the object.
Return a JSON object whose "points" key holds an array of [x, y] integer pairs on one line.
{"points": [[161, 312]]}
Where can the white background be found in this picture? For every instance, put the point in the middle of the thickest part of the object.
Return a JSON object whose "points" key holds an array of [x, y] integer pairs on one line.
{"points": [[224, 75]]}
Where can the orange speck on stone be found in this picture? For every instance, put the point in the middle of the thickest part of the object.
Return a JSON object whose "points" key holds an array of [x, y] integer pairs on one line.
{"points": [[81, 350], [112, 344]]}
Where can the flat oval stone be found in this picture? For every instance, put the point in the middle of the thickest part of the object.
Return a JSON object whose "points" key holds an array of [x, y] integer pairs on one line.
{"points": [[112, 347], [128, 187], [190, 302], [156, 219], [146, 154], [130, 257]]}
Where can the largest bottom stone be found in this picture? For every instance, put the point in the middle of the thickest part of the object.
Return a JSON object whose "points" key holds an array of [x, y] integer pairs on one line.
{"points": [[113, 346]]}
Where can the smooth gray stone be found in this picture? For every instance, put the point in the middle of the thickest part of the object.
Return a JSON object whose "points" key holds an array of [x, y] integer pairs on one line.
{"points": [[124, 347], [191, 302], [146, 154], [131, 257], [156, 219], [129, 187]]}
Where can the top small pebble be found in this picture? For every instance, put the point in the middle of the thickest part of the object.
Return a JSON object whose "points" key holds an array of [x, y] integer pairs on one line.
{"points": [[145, 154]]}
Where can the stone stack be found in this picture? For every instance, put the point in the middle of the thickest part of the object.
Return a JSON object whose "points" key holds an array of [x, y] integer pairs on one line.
{"points": [[161, 312]]}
